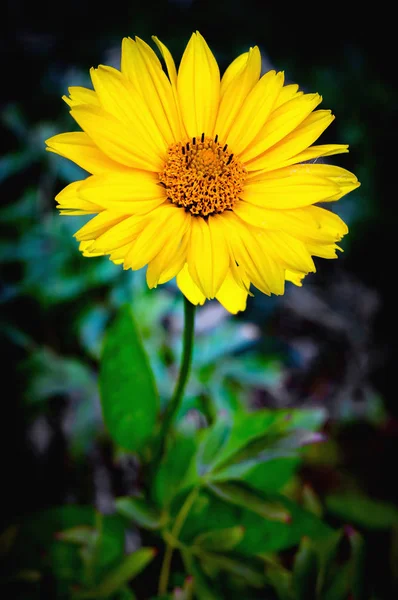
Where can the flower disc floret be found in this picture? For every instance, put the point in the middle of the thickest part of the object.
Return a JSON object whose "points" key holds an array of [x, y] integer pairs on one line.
{"points": [[202, 176]]}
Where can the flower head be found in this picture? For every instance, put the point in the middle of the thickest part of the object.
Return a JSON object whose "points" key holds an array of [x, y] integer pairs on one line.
{"points": [[205, 179]]}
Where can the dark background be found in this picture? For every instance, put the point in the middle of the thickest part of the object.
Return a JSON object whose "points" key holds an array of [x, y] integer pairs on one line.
{"points": [[345, 53]]}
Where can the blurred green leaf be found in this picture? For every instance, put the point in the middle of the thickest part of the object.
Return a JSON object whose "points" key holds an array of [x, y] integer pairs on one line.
{"points": [[128, 568], [311, 502], [362, 511], [82, 534], [140, 511], [271, 476], [173, 469], [305, 571], [214, 440], [265, 435], [357, 564], [261, 535], [236, 567], [219, 540], [281, 580], [52, 375], [16, 162], [129, 398], [339, 587], [203, 587], [241, 495]]}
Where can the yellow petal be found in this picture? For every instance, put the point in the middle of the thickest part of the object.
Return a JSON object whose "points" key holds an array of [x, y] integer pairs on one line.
{"points": [[117, 235], [208, 256], [163, 223], [98, 225], [144, 70], [298, 140], [81, 95], [323, 250], [236, 92], [345, 180], [290, 189], [70, 203], [130, 193], [306, 155], [168, 59], [248, 251], [84, 248], [234, 70], [189, 288], [318, 151], [121, 99], [79, 148], [169, 261], [198, 87], [254, 112], [231, 295], [309, 223], [117, 140], [288, 92], [296, 278], [172, 73], [280, 123], [287, 250]]}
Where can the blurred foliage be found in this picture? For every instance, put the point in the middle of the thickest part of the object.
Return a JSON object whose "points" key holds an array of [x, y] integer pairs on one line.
{"points": [[279, 483]]}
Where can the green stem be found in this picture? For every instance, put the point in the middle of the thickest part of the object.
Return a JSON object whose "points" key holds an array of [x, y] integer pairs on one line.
{"points": [[175, 532], [175, 402]]}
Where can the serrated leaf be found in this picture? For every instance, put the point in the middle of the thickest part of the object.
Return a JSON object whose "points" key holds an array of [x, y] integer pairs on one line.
{"points": [[129, 399], [128, 568], [140, 511], [241, 495], [219, 540]]}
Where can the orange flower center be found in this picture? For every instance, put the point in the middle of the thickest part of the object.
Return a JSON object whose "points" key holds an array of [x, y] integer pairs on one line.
{"points": [[202, 176]]}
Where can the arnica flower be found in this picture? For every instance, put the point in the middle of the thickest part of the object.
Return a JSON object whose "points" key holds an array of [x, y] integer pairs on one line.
{"points": [[212, 181]]}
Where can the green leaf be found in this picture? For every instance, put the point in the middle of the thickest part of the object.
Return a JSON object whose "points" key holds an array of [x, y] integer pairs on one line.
{"points": [[261, 535], [215, 438], [204, 588], [266, 448], [357, 564], [81, 534], [139, 511], [241, 495], [262, 436], [340, 586], [219, 540], [128, 568], [305, 571], [173, 470], [281, 580], [362, 511], [271, 476], [236, 567], [129, 398]]}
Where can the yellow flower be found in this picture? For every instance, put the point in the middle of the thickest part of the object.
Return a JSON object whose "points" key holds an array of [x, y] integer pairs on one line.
{"points": [[207, 180]]}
